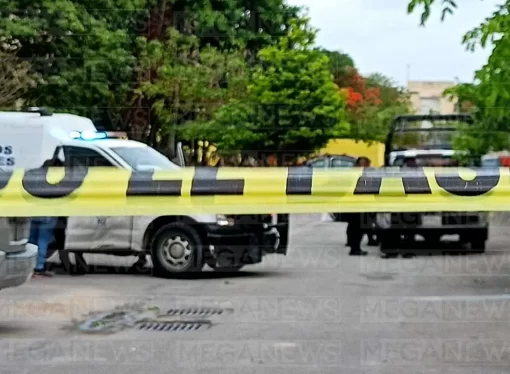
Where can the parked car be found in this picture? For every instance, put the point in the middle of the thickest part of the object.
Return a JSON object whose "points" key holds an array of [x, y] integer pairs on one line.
{"points": [[332, 161]]}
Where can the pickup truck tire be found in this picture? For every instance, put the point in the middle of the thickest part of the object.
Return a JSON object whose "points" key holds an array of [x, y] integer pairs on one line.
{"points": [[176, 251]]}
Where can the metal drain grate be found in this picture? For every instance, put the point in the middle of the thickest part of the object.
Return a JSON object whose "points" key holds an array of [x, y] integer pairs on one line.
{"points": [[201, 312], [173, 326]]}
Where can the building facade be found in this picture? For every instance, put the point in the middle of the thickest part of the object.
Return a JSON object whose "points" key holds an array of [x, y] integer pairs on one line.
{"points": [[427, 97]]}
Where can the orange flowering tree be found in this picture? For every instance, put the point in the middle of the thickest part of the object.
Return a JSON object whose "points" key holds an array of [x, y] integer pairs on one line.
{"points": [[371, 103]]}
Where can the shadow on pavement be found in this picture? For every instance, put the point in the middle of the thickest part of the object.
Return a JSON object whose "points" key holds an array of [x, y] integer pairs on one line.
{"points": [[442, 248]]}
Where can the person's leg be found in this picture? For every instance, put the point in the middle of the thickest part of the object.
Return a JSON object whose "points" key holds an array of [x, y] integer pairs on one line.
{"points": [[371, 233], [355, 235], [46, 228], [140, 264], [81, 264], [34, 231]]}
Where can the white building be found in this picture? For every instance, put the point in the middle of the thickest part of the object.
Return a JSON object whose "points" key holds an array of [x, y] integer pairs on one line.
{"points": [[427, 97]]}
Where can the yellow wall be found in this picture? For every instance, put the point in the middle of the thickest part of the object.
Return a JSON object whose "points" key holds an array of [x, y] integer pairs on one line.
{"points": [[374, 152]]}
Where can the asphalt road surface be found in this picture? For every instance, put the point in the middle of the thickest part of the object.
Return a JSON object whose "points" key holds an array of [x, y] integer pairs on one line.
{"points": [[315, 311]]}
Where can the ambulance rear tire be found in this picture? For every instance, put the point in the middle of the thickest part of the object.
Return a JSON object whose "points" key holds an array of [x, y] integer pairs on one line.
{"points": [[176, 251]]}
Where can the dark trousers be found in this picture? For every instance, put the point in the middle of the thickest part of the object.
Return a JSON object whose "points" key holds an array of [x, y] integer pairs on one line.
{"points": [[355, 231]]}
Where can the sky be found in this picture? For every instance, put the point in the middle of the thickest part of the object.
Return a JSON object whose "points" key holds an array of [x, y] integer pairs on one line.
{"points": [[381, 37]]}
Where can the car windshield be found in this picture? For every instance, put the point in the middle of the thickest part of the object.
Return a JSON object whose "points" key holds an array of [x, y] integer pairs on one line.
{"points": [[144, 158]]}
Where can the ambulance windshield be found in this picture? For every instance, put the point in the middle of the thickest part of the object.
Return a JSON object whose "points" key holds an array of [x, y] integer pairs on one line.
{"points": [[144, 158]]}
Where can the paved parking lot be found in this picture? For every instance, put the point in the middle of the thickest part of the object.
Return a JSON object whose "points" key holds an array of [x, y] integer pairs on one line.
{"points": [[315, 311]]}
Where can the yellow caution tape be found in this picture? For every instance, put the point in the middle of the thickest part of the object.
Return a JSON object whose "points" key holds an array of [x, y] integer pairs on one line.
{"points": [[116, 192]]}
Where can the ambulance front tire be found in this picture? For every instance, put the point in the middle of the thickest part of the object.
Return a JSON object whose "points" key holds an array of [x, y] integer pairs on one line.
{"points": [[176, 251]]}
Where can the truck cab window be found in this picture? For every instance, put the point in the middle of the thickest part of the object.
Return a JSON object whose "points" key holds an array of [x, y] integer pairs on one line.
{"points": [[84, 157]]}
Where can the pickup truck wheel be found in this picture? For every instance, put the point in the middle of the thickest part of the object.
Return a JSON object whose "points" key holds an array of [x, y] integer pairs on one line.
{"points": [[177, 251]]}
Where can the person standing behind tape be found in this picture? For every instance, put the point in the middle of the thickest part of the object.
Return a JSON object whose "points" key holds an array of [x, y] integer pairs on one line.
{"points": [[41, 231], [356, 221]]}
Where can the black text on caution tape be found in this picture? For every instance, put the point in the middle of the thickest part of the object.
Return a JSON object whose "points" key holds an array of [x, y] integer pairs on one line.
{"points": [[299, 181]]}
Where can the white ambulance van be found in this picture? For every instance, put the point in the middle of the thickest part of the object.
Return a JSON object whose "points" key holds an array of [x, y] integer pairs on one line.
{"points": [[177, 245]]}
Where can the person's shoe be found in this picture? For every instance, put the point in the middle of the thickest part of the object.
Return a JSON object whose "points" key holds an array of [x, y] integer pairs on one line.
{"points": [[43, 273], [358, 252], [138, 267]]}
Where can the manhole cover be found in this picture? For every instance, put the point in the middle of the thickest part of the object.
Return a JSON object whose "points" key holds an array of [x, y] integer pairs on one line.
{"points": [[173, 326], [195, 312]]}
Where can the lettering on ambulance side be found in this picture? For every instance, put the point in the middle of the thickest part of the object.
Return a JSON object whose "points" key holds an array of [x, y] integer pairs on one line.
{"points": [[206, 183], [35, 182], [6, 156], [143, 184], [484, 181], [414, 181]]}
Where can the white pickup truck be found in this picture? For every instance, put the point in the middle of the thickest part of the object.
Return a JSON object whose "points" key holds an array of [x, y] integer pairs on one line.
{"points": [[397, 232], [177, 245]]}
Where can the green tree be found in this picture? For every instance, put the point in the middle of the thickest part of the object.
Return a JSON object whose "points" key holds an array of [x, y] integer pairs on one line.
{"points": [[15, 80], [192, 82], [86, 51], [292, 104], [489, 95], [339, 63], [81, 50]]}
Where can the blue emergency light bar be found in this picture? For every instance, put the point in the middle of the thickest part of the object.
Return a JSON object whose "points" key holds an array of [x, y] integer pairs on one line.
{"points": [[96, 135]]}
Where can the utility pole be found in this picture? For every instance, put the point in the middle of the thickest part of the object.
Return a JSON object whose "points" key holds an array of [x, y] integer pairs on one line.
{"points": [[457, 104]]}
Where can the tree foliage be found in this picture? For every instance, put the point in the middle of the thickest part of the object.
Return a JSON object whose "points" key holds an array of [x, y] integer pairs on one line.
{"points": [[244, 74], [489, 95], [291, 103], [81, 50], [192, 81], [372, 102], [16, 79]]}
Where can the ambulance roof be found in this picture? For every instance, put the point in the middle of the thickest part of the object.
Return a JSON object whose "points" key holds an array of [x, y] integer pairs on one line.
{"points": [[108, 143], [60, 125], [68, 120]]}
